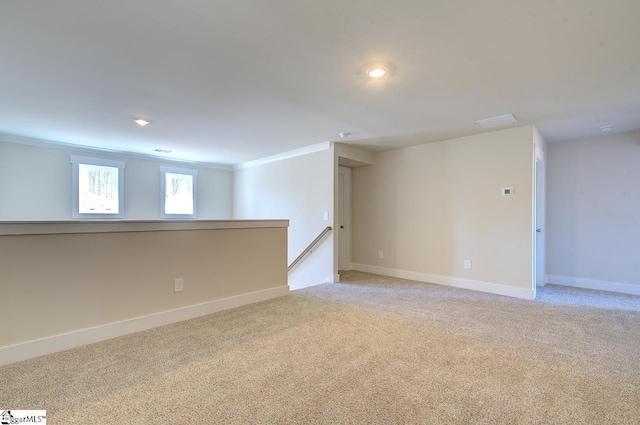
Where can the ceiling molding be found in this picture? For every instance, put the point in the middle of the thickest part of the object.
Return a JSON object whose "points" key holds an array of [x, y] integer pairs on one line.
{"points": [[21, 140], [284, 155]]}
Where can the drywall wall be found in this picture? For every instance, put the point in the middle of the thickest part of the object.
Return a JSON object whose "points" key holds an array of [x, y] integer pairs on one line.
{"points": [[100, 285], [428, 208], [352, 157], [299, 188], [35, 183], [593, 226]]}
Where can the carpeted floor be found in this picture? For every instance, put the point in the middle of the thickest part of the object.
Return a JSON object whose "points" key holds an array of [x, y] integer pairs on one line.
{"points": [[372, 350]]}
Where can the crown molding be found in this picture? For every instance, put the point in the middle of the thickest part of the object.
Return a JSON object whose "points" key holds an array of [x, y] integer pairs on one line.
{"points": [[22, 140]]}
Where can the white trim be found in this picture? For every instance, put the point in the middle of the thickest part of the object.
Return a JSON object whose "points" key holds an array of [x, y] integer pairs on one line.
{"points": [[176, 170], [493, 288], [76, 162], [52, 344], [284, 155], [21, 140], [599, 285], [75, 159], [333, 279], [77, 226], [544, 282], [344, 212], [534, 215], [163, 191]]}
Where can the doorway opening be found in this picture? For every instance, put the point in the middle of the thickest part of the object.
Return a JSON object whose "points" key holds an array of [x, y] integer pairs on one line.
{"points": [[344, 218], [539, 207]]}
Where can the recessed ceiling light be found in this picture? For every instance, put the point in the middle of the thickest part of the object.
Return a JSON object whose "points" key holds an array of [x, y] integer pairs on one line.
{"points": [[344, 135], [141, 121], [377, 73], [606, 128], [162, 150]]}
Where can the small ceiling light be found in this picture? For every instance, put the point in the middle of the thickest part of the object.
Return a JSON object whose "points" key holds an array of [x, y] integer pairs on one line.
{"points": [[377, 73], [162, 151], [141, 122], [606, 128], [344, 135]]}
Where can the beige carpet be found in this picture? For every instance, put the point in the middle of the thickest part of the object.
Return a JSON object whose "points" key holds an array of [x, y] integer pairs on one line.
{"points": [[373, 350]]}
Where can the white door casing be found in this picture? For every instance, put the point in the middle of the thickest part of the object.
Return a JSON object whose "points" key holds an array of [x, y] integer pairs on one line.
{"points": [[344, 218]]}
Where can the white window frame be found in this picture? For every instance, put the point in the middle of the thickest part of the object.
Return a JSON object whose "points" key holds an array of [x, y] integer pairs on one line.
{"points": [[163, 191], [75, 186]]}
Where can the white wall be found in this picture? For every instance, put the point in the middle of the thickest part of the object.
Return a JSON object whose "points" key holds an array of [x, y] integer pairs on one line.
{"points": [[430, 207], [300, 189], [82, 282], [593, 220], [35, 184], [352, 156]]}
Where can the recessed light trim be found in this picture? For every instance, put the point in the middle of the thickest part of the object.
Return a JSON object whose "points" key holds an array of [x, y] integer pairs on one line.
{"points": [[344, 135], [141, 122], [162, 150], [377, 73]]}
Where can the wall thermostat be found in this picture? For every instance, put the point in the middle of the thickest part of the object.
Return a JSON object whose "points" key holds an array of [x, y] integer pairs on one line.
{"points": [[507, 191]]}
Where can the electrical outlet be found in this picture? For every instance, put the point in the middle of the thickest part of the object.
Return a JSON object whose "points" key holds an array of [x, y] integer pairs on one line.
{"points": [[467, 264], [380, 254], [178, 285]]}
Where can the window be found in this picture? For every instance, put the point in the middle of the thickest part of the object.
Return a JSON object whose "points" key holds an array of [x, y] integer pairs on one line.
{"points": [[178, 192], [98, 188]]}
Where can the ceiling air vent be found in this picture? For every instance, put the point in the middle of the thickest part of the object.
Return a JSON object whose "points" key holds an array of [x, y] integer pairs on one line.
{"points": [[500, 121]]}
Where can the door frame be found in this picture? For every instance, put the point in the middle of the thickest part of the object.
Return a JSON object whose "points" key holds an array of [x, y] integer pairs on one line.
{"points": [[344, 218], [540, 221]]}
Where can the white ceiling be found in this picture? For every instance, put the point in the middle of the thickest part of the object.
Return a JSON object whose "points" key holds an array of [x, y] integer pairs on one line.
{"points": [[228, 81]]}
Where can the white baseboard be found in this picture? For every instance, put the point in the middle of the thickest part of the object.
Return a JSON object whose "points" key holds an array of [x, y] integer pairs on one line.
{"points": [[475, 285], [52, 344], [600, 285], [333, 279]]}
